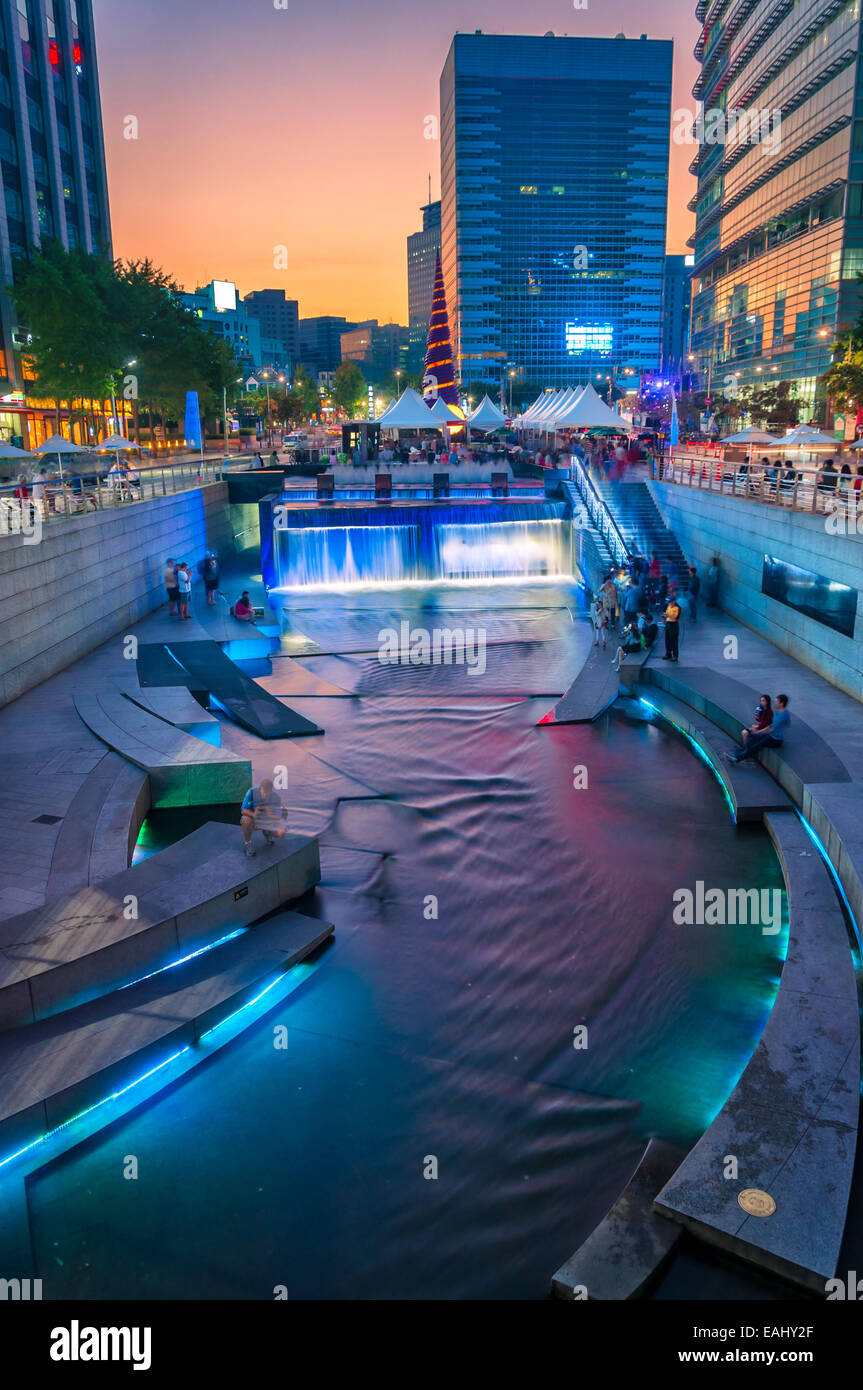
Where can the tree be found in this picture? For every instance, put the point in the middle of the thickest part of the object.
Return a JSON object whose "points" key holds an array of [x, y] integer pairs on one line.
{"points": [[844, 381], [774, 406], [349, 389]]}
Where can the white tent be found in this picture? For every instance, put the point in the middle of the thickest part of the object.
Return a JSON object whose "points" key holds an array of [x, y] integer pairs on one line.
{"points": [[589, 412], [487, 416], [571, 399], [445, 412], [547, 400], [409, 412], [553, 403]]}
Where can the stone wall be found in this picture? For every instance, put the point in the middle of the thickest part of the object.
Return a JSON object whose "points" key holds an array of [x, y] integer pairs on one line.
{"points": [[93, 576], [741, 533]]}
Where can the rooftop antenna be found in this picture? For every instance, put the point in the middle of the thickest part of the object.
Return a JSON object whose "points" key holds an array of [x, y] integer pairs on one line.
{"points": [[429, 187]]}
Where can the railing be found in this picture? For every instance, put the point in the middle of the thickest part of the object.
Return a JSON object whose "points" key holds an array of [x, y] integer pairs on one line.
{"points": [[804, 489], [598, 513], [58, 499]]}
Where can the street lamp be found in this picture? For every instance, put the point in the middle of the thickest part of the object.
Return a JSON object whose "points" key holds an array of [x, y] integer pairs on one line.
{"points": [[266, 376], [225, 413]]}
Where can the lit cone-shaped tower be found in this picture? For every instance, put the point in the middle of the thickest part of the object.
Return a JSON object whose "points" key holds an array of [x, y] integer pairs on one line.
{"points": [[439, 377]]}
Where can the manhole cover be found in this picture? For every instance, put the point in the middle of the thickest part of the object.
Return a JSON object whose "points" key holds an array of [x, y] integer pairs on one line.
{"points": [[755, 1202]]}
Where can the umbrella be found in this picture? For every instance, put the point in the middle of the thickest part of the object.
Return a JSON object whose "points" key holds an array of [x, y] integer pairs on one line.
{"points": [[751, 435], [115, 443], [806, 437], [9, 451], [59, 446]]}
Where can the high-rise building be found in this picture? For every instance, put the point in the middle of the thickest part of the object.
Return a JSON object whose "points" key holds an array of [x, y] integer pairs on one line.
{"points": [[321, 342], [676, 306], [779, 208], [52, 164], [554, 182], [279, 319], [380, 349], [423, 251], [221, 310]]}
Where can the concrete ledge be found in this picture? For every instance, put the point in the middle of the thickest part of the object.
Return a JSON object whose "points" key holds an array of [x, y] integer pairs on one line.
{"points": [[100, 828], [176, 705], [750, 789], [53, 1070], [183, 771], [80, 947], [791, 1121], [631, 1243], [593, 690]]}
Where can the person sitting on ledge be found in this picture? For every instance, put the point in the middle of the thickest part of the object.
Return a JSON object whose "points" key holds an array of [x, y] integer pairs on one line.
{"points": [[763, 718], [243, 607], [771, 737], [262, 810]]}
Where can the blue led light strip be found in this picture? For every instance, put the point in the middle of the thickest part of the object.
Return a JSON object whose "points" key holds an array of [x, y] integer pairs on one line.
{"points": [[698, 749], [182, 960], [822, 850]]}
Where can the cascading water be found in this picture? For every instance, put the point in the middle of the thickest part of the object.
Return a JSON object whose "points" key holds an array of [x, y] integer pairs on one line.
{"points": [[350, 547]]}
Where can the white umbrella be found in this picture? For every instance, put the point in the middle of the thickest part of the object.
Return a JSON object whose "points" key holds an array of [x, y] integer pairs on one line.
{"points": [[752, 435], [806, 437], [59, 446], [10, 451]]}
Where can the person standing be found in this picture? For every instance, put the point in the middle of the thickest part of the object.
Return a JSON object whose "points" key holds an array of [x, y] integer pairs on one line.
{"points": [[211, 578], [672, 629], [184, 590], [171, 589], [694, 591], [274, 459], [713, 583], [599, 618]]}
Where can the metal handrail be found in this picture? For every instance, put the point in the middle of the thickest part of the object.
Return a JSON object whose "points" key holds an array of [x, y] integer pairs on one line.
{"points": [[809, 491], [58, 499], [599, 512]]}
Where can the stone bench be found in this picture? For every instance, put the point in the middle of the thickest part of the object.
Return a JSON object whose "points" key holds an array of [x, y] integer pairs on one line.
{"points": [[60, 1067], [750, 789], [100, 828], [105, 936], [183, 771], [176, 705], [791, 1121]]}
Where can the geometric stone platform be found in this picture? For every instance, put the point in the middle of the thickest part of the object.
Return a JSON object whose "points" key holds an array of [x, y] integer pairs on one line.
{"points": [[751, 790], [109, 934], [100, 828], [57, 1068], [791, 1121], [629, 1246], [595, 688], [183, 771], [177, 706]]}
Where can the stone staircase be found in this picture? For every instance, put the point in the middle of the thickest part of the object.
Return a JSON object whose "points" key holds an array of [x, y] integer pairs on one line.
{"points": [[640, 522]]}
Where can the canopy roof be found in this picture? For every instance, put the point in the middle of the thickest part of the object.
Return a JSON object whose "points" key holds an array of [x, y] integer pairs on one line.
{"points": [[10, 451], [805, 437], [487, 416], [751, 435], [58, 445], [443, 411], [589, 411], [542, 403], [409, 412], [116, 442]]}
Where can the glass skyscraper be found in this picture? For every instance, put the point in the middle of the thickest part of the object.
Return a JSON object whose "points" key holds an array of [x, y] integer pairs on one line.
{"points": [[52, 156], [554, 179], [779, 208], [423, 248]]}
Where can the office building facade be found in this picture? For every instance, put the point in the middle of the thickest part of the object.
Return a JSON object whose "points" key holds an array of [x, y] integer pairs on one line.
{"points": [[676, 308], [52, 167], [279, 321], [220, 309], [321, 342], [423, 250], [779, 209], [554, 181]]}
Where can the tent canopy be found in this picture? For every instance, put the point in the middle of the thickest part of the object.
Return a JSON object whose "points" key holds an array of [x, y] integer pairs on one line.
{"points": [[487, 416], [589, 412], [117, 443], [751, 435], [58, 445], [10, 451], [409, 412], [806, 437], [442, 411]]}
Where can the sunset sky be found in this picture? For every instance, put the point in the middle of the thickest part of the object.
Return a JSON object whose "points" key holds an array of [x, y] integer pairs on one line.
{"points": [[303, 127]]}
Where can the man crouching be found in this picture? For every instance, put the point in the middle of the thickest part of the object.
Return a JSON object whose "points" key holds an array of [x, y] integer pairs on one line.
{"points": [[262, 810]]}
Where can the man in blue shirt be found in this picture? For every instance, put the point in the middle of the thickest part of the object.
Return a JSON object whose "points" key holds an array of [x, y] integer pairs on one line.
{"points": [[262, 810], [771, 737]]}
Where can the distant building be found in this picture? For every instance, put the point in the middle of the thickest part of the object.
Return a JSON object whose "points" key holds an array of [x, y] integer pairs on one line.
{"points": [[423, 250], [321, 342], [380, 349], [220, 309], [279, 319], [52, 167], [676, 305], [554, 185]]}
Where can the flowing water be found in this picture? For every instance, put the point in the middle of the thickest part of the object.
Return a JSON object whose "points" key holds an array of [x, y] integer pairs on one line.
{"points": [[431, 1129]]}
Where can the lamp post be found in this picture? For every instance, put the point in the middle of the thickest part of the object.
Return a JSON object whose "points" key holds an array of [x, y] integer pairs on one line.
{"points": [[266, 377]]}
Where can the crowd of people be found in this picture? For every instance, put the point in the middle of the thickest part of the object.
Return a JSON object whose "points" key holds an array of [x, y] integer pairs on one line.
{"points": [[177, 578], [632, 602]]}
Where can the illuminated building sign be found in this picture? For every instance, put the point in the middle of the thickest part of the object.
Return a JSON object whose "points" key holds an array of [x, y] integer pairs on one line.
{"points": [[224, 296], [589, 339]]}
